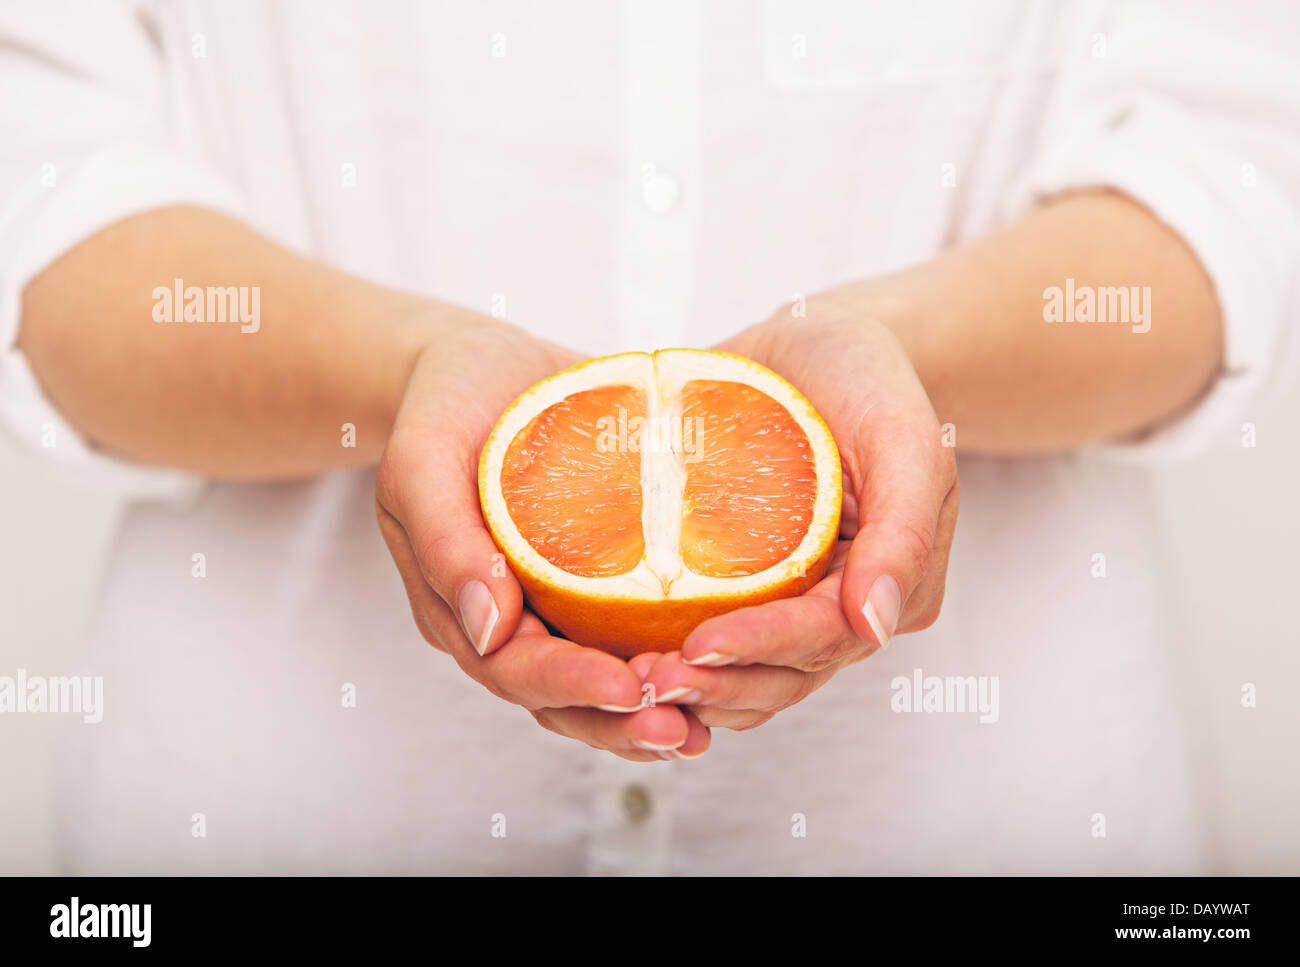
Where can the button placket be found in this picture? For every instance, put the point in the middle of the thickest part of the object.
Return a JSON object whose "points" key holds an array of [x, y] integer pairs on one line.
{"points": [[661, 52]]}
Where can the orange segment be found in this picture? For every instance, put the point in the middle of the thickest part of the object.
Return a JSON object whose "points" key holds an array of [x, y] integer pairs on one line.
{"points": [[750, 484], [572, 491]]}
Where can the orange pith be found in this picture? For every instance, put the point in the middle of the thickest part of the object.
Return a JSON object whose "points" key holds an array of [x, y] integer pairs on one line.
{"points": [[572, 479]]}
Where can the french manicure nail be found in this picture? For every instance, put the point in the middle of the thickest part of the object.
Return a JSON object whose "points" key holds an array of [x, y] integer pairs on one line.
{"points": [[683, 695], [652, 747], [881, 608], [713, 659], [677, 754], [624, 709], [478, 614]]}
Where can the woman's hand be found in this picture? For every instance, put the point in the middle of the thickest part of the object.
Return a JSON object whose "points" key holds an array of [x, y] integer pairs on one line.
{"points": [[900, 508], [464, 598]]}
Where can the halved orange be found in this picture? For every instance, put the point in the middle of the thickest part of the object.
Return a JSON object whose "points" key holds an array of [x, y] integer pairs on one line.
{"points": [[637, 495]]}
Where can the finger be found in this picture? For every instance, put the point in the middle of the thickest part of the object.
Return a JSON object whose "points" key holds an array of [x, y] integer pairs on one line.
{"points": [[905, 478], [425, 605], [538, 671], [642, 663], [848, 515], [436, 622], [698, 738], [922, 608], [428, 483], [644, 734], [571, 724], [722, 718], [808, 632], [754, 688]]}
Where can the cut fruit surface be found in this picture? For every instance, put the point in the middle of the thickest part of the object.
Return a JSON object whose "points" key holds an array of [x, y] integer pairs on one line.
{"points": [[578, 504], [751, 485], [640, 494]]}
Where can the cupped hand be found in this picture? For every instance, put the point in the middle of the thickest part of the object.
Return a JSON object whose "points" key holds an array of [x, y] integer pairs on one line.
{"points": [[464, 599], [900, 508]]}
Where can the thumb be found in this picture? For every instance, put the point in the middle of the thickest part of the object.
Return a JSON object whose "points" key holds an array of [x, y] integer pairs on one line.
{"points": [[428, 481], [904, 476]]}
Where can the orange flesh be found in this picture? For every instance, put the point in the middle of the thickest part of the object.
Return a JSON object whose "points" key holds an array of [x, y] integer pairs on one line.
{"points": [[572, 480], [750, 485], [574, 494]]}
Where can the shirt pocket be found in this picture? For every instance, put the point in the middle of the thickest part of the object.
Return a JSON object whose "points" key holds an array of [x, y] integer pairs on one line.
{"points": [[829, 45]]}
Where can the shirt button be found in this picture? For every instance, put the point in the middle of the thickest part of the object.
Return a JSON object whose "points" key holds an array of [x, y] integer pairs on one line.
{"points": [[636, 802], [659, 189]]}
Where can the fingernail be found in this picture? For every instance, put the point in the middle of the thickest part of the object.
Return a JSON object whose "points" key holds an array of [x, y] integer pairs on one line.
{"points": [[478, 614], [881, 608], [625, 709], [685, 695], [713, 659], [652, 747], [676, 754]]}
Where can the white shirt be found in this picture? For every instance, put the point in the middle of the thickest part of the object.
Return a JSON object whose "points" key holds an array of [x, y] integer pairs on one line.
{"points": [[636, 175]]}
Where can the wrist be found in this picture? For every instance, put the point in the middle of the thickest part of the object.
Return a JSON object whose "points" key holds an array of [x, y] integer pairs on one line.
{"points": [[426, 328], [904, 305]]}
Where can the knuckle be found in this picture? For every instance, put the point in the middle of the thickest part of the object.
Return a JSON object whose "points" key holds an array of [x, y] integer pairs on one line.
{"points": [[915, 542], [390, 474], [832, 654], [436, 549], [794, 690], [437, 554]]}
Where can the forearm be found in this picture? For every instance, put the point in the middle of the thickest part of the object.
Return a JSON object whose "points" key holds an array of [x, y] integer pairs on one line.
{"points": [[244, 400], [973, 323]]}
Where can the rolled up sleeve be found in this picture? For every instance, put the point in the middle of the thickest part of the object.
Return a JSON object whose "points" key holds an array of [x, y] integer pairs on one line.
{"points": [[88, 140], [1200, 123]]}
